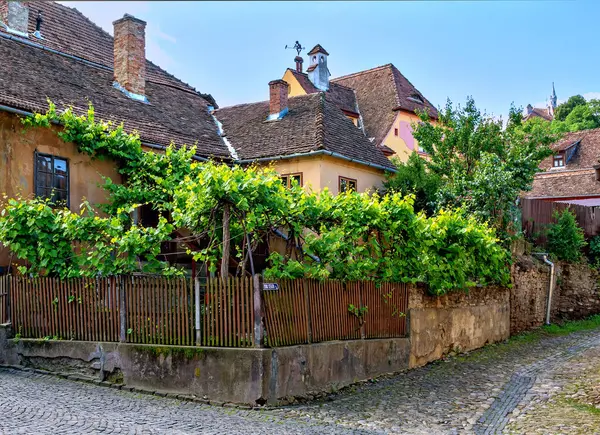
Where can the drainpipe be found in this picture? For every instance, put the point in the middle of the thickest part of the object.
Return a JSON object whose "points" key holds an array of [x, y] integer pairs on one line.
{"points": [[544, 256]]}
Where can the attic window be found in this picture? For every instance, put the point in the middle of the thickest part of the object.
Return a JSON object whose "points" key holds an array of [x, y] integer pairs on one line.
{"points": [[559, 161], [416, 98], [395, 132]]}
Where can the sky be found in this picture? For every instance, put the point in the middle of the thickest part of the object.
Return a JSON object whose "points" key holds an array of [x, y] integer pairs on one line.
{"points": [[498, 52]]}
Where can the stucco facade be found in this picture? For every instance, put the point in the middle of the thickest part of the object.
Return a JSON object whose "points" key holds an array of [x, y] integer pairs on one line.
{"points": [[319, 172], [17, 153]]}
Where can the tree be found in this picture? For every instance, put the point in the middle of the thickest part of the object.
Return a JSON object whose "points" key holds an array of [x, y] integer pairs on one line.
{"points": [[563, 110], [481, 165], [413, 177], [565, 237]]}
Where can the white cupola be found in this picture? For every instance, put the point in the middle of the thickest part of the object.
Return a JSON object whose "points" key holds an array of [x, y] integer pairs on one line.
{"points": [[317, 70]]}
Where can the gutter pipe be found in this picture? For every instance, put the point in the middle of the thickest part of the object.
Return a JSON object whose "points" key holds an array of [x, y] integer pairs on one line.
{"points": [[544, 256]]}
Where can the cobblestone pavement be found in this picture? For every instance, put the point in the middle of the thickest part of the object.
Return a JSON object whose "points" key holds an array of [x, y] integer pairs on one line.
{"points": [[517, 388]]}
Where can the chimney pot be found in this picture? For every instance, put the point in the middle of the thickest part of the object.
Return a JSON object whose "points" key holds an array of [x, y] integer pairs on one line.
{"points": [[130, 54], [278, 98], [299, 61], [15, 15]]}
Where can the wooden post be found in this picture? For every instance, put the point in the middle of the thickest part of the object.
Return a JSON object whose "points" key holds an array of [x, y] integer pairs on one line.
{"points": [[122, 311], [258, 327], [197, 310], [307, 304]]}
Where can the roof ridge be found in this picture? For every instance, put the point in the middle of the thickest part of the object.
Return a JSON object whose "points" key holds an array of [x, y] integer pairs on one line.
{"points": [[395, 83], [367, 71]]}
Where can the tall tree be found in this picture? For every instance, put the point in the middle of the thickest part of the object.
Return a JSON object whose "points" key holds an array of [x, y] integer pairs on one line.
{"points": [[563, 110], [480, 164]]}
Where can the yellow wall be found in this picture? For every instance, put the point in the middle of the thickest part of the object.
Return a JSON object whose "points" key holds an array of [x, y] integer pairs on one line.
{"points": [[319, 172], [403, 144], [17, 148], [295, 88]]}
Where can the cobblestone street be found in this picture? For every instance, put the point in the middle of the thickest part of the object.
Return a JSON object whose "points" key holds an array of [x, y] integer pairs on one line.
{"points": [[546, 386]]}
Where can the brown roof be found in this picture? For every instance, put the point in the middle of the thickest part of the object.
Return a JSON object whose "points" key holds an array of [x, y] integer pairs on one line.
{"points": [[380, 92], [29, 75], [565, 184], [539, 113], [582, 150], [318, 49], [342, 96], [312, 123]]}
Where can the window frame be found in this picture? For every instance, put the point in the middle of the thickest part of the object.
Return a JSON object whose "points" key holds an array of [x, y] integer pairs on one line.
{"points": [[288, 183], [36, 170], [558, 158], [347, 179]]}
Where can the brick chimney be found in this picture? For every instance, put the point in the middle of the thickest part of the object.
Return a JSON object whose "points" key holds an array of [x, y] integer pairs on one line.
{"points": [[130, 54], [15, 15], [278, 99], [299, 61]]}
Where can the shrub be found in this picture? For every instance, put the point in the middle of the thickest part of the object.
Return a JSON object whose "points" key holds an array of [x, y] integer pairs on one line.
{"points": [[565, 237]]}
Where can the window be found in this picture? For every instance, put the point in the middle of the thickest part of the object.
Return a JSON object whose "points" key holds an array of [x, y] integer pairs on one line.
{"points": [[395, 132], [52, 178], [288, 179], [559, 161], [347, 184]]}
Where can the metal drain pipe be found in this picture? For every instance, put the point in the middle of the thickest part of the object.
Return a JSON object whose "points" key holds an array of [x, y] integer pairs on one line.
{"points": [[551, 289]]}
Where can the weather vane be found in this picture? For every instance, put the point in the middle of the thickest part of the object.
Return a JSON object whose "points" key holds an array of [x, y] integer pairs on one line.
{"points": [[296, 47]]}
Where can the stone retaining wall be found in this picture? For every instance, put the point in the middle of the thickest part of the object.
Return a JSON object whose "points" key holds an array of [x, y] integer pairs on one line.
{"points": [[458, 321], [576, 294]]}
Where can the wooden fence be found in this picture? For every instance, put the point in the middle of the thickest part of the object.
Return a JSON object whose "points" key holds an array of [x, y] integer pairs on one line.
{"points": [[180, 311], [4, 299], [307, 311], [537, 214]]}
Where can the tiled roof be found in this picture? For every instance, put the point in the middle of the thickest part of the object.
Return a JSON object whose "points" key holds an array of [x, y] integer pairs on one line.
{"points": [[342, 96], [312, 123], [29, 75], [565, 184], [540, 113], [380, 92], [318, 49], [585, 146]]}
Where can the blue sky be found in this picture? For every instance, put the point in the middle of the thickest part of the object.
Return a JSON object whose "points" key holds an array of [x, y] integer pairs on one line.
{"points": [[496, 51]]}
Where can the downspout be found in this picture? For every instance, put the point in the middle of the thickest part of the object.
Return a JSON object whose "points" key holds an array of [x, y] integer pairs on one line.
{"points": [[551, 287]]}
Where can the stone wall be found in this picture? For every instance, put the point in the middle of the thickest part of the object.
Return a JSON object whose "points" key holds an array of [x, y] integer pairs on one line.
{"points": [[458, 321], [249, 376], [578, 293], [529, 294]]}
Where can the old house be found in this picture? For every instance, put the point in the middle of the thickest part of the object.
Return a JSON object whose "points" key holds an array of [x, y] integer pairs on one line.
{"points": [[50, 51], [307, 138], [380, 101], [572, 173]]}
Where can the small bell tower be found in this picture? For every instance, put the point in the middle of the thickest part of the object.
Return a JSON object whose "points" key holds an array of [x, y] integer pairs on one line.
{"points": [[318, 73]]}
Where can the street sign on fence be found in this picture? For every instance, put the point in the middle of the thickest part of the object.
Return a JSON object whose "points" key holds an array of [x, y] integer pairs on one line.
{"points": [[270, 286]]}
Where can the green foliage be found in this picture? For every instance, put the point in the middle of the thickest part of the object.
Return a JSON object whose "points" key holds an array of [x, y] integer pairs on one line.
{"points": [[480, 165], [351, 236], [563, 110], [362, 236], [594, 251], [58, 242], [414, 178], [565, 237]]}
